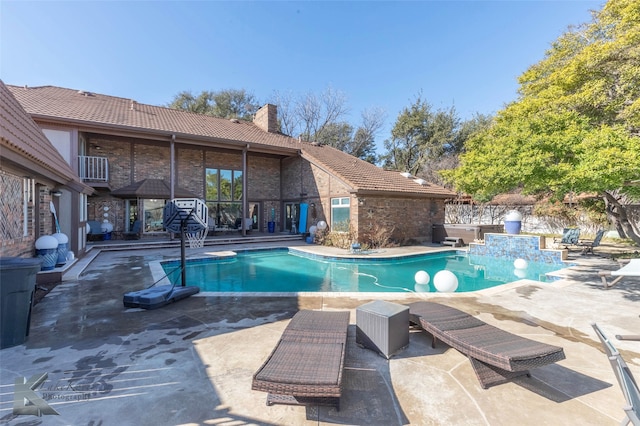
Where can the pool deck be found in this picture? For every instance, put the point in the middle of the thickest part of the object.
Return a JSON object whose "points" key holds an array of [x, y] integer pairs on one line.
{"points": [[191, 362]]}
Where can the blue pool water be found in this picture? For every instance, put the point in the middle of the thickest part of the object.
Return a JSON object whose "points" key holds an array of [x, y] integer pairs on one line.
{"points": [[284, 271]]}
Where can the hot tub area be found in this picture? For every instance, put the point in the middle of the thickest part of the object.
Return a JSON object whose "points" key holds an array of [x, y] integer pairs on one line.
{"points": [[468, 233]]}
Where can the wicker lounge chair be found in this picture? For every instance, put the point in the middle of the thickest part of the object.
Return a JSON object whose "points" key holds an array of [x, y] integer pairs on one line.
{"points": [[497, 356], [306, 366], [627, 382]]}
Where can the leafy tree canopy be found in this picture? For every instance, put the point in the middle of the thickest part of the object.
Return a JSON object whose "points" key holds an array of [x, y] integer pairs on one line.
{"points": [[576, 124], [230, 103], [420, 136]]}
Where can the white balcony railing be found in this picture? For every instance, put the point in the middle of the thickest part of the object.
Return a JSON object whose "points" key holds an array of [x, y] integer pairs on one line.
{"points": [[94, 169]]}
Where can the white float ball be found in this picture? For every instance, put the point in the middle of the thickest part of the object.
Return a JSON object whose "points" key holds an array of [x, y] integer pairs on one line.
{"points": [[445, 281], [322, 225], [422, 277], [313, 229], [422, 288], [520, 264]]}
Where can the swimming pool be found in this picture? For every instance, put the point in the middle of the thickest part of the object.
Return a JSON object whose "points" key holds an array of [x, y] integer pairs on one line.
{"points": [[290, 271]]}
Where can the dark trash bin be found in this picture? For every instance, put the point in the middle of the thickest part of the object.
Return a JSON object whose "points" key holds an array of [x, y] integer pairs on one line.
{"points": [[17, 286]]}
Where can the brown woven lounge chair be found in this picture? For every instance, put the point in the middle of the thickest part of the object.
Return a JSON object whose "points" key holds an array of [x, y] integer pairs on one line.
{"points": [[497, 356], [305, 367]]}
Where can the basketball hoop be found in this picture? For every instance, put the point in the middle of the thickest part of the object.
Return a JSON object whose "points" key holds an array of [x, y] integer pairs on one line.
{"points": [[188, 217], [196, 239]]}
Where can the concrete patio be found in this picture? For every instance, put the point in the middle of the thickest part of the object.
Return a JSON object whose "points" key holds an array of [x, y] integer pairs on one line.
{"points": [[191, 363]]}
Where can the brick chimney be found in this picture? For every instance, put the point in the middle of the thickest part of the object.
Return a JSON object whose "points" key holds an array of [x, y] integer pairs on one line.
{"points": [[267, 118]]}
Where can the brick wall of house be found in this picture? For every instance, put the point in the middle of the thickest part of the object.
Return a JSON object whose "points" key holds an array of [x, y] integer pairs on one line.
{"points": [[410, 219], [46, 221], [263, 174], [228, 160], [190, 170], [119, 154], [272, 181], [305, 182], [151, 161]]}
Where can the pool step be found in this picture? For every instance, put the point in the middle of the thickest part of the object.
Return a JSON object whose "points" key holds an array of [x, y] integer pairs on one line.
{"points": [[210, 241], [452, 241]]}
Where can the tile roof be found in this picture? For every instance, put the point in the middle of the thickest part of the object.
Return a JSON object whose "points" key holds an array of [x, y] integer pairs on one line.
{"points": [[96, 110], [20, 135], [365, 177]]}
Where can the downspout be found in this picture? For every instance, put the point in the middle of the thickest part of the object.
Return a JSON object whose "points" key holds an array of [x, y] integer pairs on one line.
{"points": [[172, 176], [172, 172], [245, 202]]}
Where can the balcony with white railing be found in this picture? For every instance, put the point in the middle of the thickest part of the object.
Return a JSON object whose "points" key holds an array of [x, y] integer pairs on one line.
{"points": [[93, 169]]}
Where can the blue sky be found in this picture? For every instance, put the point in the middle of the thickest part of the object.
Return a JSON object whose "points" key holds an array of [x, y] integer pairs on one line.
{"points": [[466, 54]]}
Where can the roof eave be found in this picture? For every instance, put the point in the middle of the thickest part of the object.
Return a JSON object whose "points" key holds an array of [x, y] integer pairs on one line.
{"points": [[145, 133], [400, 193]]}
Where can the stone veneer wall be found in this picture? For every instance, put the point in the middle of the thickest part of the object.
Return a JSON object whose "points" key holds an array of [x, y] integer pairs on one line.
{"points": [[528, 247]]}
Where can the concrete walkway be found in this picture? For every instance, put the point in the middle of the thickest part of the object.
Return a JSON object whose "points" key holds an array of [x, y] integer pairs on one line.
{"points": [[191, 363]]}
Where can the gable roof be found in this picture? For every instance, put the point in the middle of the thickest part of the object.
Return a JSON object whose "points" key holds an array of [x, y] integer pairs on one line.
{"points": [[94, 111], [364, 177], [24, 144]]}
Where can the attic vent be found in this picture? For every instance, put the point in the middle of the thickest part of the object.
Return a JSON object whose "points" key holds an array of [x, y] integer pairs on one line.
{"points": [[406, 174], [234, 120], [132, 107], [420, 181], [84, 93]]}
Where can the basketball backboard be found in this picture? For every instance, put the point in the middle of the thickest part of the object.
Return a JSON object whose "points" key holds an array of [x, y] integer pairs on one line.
{"points": [[190, 213]]}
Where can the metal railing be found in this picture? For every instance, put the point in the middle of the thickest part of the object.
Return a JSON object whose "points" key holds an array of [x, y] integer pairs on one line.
{"points": [[95, 169]]}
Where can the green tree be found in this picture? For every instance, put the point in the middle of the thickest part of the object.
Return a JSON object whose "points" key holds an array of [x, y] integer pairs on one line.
{"points": [[230, 103], [187, 101], [575, 126], [337, 135], [451, 151], [418, 135]]}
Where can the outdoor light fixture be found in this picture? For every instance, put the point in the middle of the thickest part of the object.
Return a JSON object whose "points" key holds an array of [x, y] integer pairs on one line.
{"points": [[56, 193]]}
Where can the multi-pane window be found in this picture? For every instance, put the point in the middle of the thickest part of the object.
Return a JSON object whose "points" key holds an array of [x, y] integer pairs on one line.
{"points": [[224, 185], [224, 196], [340, 214]]}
